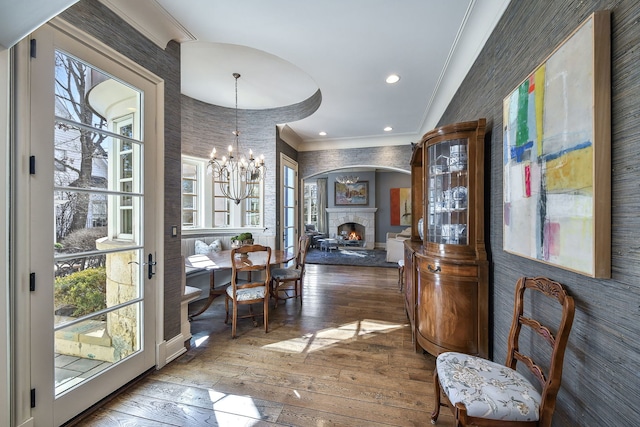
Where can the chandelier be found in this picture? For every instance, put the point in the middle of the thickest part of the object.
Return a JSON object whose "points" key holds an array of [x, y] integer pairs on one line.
{"points": [[347, 179], [239, 176]]}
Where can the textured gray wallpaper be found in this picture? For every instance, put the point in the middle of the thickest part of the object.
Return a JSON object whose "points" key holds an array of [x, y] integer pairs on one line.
{"points": [[94, 18], [600, 384]]}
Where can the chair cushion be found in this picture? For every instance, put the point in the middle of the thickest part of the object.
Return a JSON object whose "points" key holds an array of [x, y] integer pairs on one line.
{"points": [[488, 389], [247, 294], [285, 273]]}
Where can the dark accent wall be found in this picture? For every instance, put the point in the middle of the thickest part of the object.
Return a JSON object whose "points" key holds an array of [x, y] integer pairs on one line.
{"points": [[601, 382], [385, 181], [96, 19]]}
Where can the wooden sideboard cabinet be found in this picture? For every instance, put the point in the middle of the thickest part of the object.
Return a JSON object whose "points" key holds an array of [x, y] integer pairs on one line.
{"points": [[446, 267]]}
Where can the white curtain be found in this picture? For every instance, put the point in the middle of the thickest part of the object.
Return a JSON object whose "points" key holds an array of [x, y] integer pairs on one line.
{"points": [[322, 205]]}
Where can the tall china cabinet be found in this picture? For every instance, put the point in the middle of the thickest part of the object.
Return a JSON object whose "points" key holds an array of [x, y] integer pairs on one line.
{"points": [[446, 268]]}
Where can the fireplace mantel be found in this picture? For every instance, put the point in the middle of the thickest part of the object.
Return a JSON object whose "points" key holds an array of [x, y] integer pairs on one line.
{"points": [[363, 216]]}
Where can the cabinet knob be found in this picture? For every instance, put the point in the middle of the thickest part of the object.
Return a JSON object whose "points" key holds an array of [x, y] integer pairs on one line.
{"points": [[433, 270]]}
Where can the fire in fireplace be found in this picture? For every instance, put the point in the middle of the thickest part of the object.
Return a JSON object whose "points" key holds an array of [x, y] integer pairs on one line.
{"points": [[351, 231]]}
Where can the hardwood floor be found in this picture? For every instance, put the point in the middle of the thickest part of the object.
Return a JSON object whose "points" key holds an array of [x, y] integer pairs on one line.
{"points": [[343, 358]]}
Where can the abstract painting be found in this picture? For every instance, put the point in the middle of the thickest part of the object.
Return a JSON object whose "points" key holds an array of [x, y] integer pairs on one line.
{"points": [[400, 206], [556, 164]]}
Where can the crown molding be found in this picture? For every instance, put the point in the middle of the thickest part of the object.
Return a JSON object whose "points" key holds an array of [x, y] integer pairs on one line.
{"points": [[151, 19]]}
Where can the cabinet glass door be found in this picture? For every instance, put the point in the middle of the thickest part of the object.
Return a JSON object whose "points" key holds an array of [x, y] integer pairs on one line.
{"points": [[447, 192]]}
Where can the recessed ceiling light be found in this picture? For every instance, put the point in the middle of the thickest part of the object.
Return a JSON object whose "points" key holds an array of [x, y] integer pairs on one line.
{"points": [[393, 78], [323, 133], [388, 129]]}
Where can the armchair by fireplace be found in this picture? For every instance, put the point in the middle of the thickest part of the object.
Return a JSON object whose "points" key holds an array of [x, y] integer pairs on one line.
{"points": [[395, 245], [314, 235]]}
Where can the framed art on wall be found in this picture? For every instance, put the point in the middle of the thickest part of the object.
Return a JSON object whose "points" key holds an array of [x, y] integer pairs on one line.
{"points": [[352, 194], [557, 157], [400, 199]]}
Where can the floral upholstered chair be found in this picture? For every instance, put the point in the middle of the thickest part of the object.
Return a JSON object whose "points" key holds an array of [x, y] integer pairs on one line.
{"points": [[484, 393], [254, 261]]}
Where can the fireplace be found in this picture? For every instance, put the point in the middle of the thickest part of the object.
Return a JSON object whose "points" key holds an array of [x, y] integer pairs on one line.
{"points": [[362, 221], [352, 232]]}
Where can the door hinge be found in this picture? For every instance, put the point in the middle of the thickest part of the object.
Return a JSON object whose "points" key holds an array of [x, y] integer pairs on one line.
{"points": [[32, 165], [32, 48], [32, 282], [33, 397]]}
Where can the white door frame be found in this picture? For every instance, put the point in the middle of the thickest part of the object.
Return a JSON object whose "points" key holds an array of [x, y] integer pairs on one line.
{"points": [[25, 332], [289, 162], [5, 343]]}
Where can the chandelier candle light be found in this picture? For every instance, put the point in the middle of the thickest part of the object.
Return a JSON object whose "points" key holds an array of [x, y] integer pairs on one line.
{"points": [[241, 178], [347, 179]]}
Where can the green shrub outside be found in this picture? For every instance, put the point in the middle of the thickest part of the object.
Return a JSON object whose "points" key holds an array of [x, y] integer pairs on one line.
{"points": [[84, 290]]}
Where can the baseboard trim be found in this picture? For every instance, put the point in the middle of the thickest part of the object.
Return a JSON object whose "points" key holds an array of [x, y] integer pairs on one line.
{"points": [[170, 350]]}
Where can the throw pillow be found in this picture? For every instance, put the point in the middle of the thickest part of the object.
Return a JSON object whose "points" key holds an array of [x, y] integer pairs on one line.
{"points": [[203, 248]]}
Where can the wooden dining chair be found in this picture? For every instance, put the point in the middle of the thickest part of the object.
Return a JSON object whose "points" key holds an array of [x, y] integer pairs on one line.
{"points": [[254, 260], [484, 393], [287, 282]]}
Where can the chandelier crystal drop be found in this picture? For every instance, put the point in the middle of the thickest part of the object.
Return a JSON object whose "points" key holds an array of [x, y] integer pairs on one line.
{"points": [[239, 176], [347, 179]]}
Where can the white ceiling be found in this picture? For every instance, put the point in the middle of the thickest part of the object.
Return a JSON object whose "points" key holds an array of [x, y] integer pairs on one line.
{"points": [[286, 50]]}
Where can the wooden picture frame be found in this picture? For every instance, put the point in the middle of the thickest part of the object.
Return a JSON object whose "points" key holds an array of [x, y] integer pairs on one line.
{"points": [[352, 194], [557, 156]]}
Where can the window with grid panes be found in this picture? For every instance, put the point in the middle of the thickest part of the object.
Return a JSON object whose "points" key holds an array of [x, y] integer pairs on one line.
{"points": [[311, 203], [190, 200], [205, 207], [252, 208], [221, 205]]}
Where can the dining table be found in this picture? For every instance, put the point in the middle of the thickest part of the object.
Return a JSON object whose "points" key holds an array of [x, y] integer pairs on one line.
{"points": [[217, 261]]}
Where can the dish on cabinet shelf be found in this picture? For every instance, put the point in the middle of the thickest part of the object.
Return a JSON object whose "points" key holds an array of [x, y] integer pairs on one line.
{"points": [[453, 233]]}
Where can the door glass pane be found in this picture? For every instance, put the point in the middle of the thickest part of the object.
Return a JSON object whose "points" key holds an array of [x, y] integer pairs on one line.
{"points": [[92, 345], [82, 91], [97, 207], [83, 158]]}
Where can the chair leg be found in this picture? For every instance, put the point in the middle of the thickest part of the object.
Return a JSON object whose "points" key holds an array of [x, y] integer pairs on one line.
{"points": [[253, 316], [266, 314], [461, 414], [275, 291], [226, 308], [436, 397], [235, 320], [301, 287]]}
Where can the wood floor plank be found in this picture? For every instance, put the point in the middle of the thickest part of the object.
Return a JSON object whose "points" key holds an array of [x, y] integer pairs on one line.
{"points": [[111, 418], [344, 357], [137, 404], [303, 417]]}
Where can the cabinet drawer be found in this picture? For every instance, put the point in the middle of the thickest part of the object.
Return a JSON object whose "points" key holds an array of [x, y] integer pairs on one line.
{"points": [[429, 265]]}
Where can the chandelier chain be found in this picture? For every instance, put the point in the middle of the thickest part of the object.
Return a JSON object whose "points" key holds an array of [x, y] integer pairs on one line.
{"points": [[239, 178]]}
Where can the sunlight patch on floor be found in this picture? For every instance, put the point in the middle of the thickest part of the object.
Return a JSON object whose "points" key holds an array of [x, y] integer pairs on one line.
{"points": [[232, 410], [361, 329], [198, 341]]}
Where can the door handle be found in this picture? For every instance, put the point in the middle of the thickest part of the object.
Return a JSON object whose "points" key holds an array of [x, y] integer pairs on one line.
{"points": [[434, 270], [150, 264]]}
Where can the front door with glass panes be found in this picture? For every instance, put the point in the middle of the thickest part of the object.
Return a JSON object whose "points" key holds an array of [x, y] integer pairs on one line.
{"points": [[93, 210]]}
